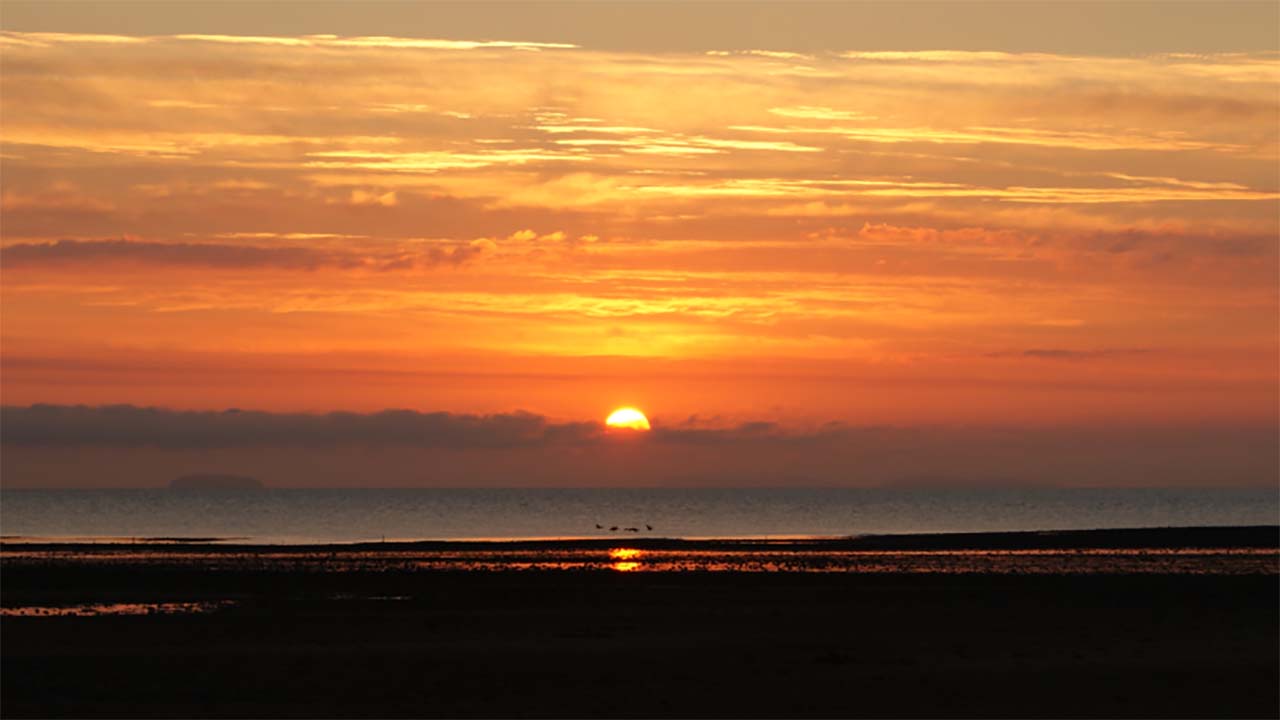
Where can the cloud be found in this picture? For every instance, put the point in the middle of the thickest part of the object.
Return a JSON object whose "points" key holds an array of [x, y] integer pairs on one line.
{"points": [[884, 233], [1074, 139], [434, 161], [47, 39], [44, 39], [130, 426], [373, 198], [139, 446], [228, 256], [757, 431], [211, 255], [782, 188], [61, 198], [816, 112], [133, 426], [1063, 354]]}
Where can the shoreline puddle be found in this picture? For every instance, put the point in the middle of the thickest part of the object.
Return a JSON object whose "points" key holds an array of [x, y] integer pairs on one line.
{"points": [[100, 609]]}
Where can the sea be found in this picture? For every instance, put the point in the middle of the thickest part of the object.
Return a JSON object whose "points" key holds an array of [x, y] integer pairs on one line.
{"points": [[309, 516]]}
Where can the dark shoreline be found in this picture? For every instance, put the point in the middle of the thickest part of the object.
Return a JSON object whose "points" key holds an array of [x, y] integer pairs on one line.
{"points": [[381, 639]]}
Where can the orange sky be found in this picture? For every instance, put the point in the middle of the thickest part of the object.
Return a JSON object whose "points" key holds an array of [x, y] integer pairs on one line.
{"points": [[919, 235]]}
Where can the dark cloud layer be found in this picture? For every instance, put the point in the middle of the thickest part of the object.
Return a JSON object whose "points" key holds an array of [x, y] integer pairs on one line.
{"points": [[129, 446], [130, 426], [748, 432]]}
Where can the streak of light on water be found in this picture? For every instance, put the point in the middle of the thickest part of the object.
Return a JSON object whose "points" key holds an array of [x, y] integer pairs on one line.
{"points": [[1178, 561], [98, 609]]}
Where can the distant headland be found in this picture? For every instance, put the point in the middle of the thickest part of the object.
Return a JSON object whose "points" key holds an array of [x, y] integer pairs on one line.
{"points": [[211, 481]]}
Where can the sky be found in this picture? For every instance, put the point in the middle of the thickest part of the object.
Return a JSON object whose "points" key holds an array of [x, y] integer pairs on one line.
{"points": [[817, 243]]}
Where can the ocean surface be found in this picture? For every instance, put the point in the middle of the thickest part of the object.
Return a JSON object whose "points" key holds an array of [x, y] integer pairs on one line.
{"points": [[300, 516]]}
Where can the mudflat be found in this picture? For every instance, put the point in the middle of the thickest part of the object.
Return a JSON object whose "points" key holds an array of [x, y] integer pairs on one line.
{"points": [[226, 631]]}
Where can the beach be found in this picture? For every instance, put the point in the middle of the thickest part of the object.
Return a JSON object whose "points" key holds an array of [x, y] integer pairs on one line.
{"points": [[227, 631]]}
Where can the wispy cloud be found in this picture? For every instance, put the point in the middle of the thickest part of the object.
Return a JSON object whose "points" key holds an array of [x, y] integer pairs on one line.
{"points": [[46, 39], [225, 256], [1065, 354]]}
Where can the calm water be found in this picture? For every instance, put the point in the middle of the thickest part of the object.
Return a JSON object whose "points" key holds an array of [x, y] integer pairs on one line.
{"points": [[299, 516]]}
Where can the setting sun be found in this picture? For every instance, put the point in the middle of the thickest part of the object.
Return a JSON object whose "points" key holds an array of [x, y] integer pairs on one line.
{"points": [[628, 418]]}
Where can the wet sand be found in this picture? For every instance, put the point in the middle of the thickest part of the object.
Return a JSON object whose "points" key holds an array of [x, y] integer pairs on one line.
{"points": [[310, 634]]}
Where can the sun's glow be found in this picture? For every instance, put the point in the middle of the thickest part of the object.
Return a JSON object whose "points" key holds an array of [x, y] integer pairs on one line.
{"points": [[628, 418], [624, 553]]}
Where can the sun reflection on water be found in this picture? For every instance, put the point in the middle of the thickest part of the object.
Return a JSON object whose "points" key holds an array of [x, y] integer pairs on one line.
{"points": [[626, 559]]}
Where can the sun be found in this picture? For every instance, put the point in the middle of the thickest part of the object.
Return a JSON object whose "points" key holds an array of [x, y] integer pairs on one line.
{"points": [[628, 418]]}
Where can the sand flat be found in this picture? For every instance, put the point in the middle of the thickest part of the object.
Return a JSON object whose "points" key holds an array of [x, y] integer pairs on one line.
{"points": [[381, 639]]}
